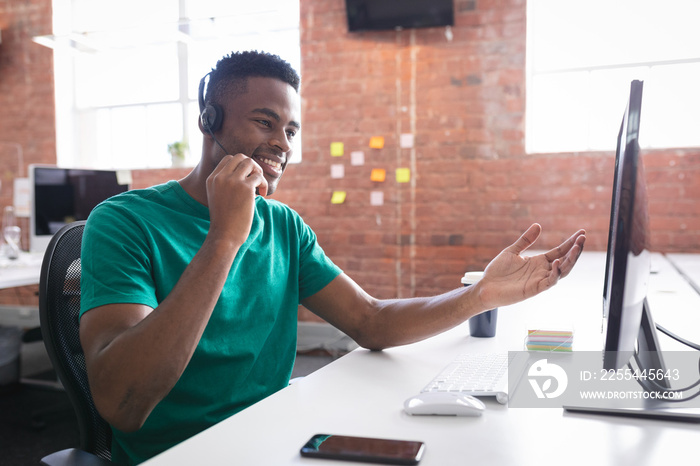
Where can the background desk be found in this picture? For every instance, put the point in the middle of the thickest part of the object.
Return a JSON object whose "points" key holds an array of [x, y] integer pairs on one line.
{"points": [[362, 394], [20, 272], [15, 273]]}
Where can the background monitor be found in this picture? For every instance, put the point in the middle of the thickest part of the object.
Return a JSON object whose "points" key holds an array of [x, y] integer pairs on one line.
{"points": [[63, 195], [366, 15]]}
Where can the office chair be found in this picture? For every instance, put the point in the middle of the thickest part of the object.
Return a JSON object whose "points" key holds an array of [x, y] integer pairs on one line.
{"points": [[59, 307]]}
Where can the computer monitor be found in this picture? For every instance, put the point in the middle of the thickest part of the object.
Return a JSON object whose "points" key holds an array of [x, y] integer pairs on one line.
{"points": [[628, 326], [63, 195], [628, 323], [630, 333]]}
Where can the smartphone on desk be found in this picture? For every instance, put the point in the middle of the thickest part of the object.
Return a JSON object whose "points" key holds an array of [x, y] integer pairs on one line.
{"points": [[363, 449]]}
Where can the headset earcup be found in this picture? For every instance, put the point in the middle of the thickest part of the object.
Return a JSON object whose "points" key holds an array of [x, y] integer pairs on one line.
{"points": [[211, 117]]}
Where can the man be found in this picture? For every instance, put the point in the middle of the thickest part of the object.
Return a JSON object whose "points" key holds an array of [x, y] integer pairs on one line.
{"points": [[190, 289]]}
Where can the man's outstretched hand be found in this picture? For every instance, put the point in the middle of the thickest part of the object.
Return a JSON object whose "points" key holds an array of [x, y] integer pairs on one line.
{"points": [[511, 278]]}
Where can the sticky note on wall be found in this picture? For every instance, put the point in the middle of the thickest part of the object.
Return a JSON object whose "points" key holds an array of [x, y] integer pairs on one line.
{"points": [[376, 142], [337, 170], [124, 177], [22, 197], [378, 174], [403, 175], [337, 149], [357, 158], [376, 198], [338, 197]]}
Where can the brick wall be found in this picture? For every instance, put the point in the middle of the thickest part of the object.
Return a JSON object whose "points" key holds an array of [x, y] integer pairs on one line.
{"points": [[27, 114], [473, 189]]}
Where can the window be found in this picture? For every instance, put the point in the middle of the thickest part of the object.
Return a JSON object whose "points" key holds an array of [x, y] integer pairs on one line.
{"points": [[582, 57], [126, 84]]}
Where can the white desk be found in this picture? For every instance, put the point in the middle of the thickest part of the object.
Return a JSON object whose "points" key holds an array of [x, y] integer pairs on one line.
{"points": [[20, 272], [23, 271], [362, 394], [689, 266]]}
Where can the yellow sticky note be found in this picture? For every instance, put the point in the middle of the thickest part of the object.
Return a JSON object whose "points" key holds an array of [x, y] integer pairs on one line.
{"points": [[337, 149], [338, 197], [403, 175], [378, 174], [376, 142]]}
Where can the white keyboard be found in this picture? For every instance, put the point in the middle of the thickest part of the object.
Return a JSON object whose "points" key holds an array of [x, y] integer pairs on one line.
{"points": [[476, 374]]}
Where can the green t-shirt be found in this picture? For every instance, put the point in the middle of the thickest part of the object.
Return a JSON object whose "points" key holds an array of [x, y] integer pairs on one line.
{"points": [[135, 247]]}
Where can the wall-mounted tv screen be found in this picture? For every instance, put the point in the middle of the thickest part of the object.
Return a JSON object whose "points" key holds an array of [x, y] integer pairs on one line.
{"points": [[373, 15]]}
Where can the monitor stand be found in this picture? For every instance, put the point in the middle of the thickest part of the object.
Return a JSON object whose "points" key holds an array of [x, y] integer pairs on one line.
{"points": [[649, 357]]}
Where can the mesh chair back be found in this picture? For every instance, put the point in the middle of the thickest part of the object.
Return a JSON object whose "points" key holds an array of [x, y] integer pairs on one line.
{"points": [[59, 307]]}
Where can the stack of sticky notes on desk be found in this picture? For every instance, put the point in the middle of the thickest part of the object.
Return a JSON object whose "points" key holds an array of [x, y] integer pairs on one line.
{"points": [[549, 340]]}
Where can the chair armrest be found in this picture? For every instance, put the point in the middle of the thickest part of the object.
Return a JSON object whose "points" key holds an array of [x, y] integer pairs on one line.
{"points": [[74, 457]]}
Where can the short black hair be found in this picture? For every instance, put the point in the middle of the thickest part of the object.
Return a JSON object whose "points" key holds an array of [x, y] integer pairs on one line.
{"points": [[232, 71]]}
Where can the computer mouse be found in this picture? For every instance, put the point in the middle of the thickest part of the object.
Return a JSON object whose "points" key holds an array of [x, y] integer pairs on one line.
{"points": [[444, 404]]}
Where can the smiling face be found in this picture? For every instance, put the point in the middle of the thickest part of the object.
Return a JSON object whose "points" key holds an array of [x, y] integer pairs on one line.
{"points": [[261, 121]]}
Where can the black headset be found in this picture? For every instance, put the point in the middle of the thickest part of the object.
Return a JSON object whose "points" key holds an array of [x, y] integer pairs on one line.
{"points": [[211, 114]]}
